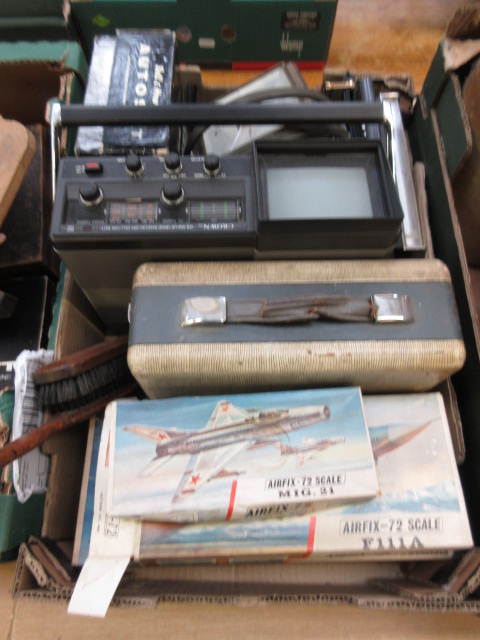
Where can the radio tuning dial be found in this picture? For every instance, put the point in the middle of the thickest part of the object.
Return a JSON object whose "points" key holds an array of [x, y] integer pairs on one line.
{"points": [[172, 193], [133, 164], [90, 194], [172, 163], [211, 165]]}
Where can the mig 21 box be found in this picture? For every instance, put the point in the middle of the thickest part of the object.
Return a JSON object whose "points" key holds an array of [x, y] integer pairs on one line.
{"points": [[221, 458]]}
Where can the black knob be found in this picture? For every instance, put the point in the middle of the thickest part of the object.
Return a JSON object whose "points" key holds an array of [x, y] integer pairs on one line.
{"points": [[172, 162], [172, 193], [90, 194], [133, 163], [211, 164]]}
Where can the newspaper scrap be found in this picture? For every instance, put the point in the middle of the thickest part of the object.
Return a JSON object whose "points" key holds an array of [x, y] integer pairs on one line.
{"points": [[30, 472]]}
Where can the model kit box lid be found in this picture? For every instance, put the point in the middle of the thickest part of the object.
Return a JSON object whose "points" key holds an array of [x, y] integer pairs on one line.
{"points": [[249, 455]]}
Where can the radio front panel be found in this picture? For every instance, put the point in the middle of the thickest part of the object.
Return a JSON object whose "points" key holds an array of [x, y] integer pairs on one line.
{"points": [[201, 201]]}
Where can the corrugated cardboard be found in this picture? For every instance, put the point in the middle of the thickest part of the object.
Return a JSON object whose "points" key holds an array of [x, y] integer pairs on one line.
{"points": [[36, 72]]}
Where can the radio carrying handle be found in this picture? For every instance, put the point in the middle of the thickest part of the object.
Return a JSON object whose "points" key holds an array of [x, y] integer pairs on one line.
{"points": [[331, 112]]}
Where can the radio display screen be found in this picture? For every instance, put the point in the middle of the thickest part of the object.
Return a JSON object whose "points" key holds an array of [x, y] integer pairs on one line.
{"points": [[332, 196], [318, 192], [333, 185]]}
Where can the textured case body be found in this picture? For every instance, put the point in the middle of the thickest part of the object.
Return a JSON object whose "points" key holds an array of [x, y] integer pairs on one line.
{"points": [[167, 358]]}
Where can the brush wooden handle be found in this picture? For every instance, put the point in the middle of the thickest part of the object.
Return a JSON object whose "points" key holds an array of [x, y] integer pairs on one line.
{"points": [[81, 361], [30, 441]]}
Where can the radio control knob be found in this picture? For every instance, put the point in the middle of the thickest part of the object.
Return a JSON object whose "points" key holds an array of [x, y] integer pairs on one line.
{"points": [[211, 164], [172, 193], [172, 162], [133, 164], [90, 194]]}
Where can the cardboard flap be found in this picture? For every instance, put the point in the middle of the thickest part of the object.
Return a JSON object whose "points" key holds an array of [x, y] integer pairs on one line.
{"points": [[67, 451], [452, 54], [465, 22], [453, 125], [427, 146], [466, 186], [36, 69], [459, 52], [25, 579], [32, 579]]}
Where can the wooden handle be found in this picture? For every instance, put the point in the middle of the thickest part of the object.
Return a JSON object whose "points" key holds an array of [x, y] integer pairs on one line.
{"points": [[81, 361], [30, 441]]}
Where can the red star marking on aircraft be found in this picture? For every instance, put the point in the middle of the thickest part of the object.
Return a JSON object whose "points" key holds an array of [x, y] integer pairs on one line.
{"points": [[195, 479]]}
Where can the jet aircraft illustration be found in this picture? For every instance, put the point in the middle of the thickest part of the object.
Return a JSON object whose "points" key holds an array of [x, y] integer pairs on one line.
{"points": [[308, 448], [229, 430], [386, 439]]}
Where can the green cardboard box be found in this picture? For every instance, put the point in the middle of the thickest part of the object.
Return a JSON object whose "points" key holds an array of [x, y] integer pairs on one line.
{"points": [[236, 33], [33, 20]]}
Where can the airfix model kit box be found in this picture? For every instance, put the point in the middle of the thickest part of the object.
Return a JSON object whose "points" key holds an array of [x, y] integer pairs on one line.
{"points": [[238, 457], [240, 34], [419, 490]]}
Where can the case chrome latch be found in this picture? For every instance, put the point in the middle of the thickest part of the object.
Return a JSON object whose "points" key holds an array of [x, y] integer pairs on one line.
{"points": [[204, 310], [391, 307]]}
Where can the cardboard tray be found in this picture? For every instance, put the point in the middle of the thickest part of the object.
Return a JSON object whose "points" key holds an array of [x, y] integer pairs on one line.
{"points": [[366, 587], [391, 585]]}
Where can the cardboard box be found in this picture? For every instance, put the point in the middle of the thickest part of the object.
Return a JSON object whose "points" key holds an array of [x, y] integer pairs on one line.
{"points": [[33, 20], [31, 74], [36, 72], [190, 595], [370, 585], [441, 136], [236, 33]]}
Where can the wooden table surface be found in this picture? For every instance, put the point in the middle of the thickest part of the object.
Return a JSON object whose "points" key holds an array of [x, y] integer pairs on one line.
{"points": [[385, 36]]}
